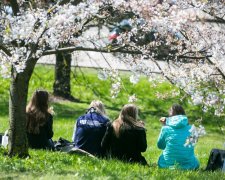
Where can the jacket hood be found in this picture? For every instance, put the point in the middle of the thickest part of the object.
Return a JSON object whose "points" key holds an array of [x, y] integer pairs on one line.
{"points": [[177, 122]]}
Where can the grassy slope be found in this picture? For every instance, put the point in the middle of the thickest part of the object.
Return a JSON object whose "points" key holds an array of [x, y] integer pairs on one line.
{"points": [[58, 165]]}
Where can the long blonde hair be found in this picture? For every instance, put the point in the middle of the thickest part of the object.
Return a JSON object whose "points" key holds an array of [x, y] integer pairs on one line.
{"points": [[128, 117], [37, 111], [98, 106]]}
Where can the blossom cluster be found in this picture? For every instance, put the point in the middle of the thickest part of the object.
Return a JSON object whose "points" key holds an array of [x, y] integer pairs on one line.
{"points": [[177, 32], [132, 98], [196, 132], [115, 79]]}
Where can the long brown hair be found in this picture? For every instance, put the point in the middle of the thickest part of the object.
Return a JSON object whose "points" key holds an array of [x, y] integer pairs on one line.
{"points": [[37, 111], [128, 117]]}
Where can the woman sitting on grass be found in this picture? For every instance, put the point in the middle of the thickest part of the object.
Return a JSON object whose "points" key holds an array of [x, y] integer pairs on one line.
{"points": [[172, 139], [39, 121], [125, 138], [90, 129]]}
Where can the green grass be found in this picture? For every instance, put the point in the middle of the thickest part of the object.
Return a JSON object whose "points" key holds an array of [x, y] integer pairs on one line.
{"points": [[56, 165]]}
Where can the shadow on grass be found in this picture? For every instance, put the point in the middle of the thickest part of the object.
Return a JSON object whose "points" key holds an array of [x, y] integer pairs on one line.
{"points": [[156, 108], [66, 111], [151, 107]]}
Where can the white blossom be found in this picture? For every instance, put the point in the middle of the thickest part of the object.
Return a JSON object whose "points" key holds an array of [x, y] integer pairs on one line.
{"points": [[196, 132], [132, 99], [172, 28], [102, 75], [134, 78]]}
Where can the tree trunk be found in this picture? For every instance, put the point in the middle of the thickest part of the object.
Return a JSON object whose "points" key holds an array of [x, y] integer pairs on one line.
{"points": [[61, 85], [15, 7], [18, 144]]}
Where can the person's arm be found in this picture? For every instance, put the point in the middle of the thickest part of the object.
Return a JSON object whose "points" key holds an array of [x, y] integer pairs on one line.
{"points": [[142, 142], [162, 139], [49, 127], [78, 132], [106, 138], [74, 132]]}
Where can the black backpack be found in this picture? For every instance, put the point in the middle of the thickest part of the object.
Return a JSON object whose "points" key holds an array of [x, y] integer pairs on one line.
{"points": [[216, 160], [63, 145]]}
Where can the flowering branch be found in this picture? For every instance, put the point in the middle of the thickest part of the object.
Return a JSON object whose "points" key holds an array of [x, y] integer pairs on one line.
{"points": [[217, 68], [111, 50], [79, 48], [3, 48]]}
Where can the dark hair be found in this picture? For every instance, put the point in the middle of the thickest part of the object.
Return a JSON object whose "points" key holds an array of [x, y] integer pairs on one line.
{"points": [[37, 111], [176, 109]]}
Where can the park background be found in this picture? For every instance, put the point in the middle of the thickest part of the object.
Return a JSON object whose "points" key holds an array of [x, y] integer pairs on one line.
{"points": [[192, 34], [153, 99]]}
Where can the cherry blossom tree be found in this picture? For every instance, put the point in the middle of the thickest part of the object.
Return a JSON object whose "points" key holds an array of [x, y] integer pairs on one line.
{"points": [[186, 35]]}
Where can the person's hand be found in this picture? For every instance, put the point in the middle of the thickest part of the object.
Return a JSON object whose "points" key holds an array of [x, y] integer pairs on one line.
{"points": [[163, 120], [142, 122]]}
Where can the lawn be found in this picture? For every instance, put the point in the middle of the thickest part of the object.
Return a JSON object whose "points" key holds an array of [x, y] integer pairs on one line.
{"points": [[154, 100]]}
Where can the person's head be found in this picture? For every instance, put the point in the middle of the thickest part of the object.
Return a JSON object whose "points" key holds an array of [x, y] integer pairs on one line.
{"points": [[129, 113], [39, 100], [128, 117], [37, 111], [99, 106], [176, 109]]}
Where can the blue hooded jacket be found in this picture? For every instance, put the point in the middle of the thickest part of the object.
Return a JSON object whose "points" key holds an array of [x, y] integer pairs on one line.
{"points": [[172, 139], [89, 131]]}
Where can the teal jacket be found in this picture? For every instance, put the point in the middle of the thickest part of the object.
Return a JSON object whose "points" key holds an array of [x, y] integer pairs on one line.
{"points": [[172, 139]]}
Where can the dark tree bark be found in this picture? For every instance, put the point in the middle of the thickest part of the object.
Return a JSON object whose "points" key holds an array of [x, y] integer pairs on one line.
{"points": [[18, 144], [15, 7], [17, 105], [61, 85]]}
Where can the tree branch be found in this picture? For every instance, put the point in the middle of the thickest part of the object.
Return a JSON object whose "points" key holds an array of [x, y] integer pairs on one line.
{"points": [[3, 48], [219, 21], [194, 57], [217, 68], [105, 50], [73, 2], [216, 18], [79, 48]]}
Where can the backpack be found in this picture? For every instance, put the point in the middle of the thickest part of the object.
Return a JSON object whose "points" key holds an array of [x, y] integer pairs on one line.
{"points": [[4, 139], [216, 160], [63, 145]]}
